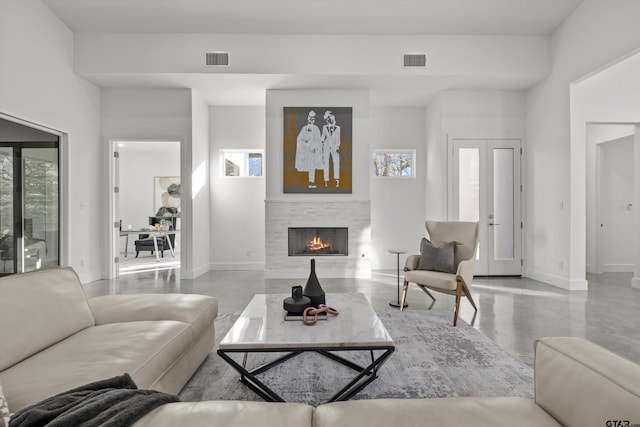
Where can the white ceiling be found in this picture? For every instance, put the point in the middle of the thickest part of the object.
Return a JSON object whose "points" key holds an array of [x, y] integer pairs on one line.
{"points": [[532, 17], [399, 17]]}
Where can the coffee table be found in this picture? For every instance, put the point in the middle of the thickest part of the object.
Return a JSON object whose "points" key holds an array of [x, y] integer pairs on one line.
{"points": [[261, 328]]}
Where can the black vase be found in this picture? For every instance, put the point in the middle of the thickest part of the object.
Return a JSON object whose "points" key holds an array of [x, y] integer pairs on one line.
{"points": [[312, 289]]}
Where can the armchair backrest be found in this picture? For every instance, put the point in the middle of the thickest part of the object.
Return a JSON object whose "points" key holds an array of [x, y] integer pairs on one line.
{"points": [[465, 234]]}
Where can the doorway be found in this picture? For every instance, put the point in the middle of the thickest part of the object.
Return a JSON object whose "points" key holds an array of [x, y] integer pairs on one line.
{"points": [[486, 188], [146, 192], [615, 251], [30, 199]]}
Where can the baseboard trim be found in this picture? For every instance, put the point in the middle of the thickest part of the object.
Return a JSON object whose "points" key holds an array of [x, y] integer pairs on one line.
{"points": [[618, 268], [561, 282], [241, 266], [193, 274]]}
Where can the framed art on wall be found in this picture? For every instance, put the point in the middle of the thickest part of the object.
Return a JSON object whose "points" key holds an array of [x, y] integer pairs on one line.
{"points": [[317, 149], [166, 193]]}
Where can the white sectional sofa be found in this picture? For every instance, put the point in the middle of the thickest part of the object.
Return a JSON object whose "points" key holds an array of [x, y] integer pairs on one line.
{"points": [[52, 339]]}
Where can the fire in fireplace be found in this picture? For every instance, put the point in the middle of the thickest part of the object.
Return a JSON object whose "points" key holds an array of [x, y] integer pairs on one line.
{"points": [[313, 241]]}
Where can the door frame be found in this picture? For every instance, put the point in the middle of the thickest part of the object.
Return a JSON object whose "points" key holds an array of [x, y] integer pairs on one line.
{"points": [[519, 208], [112, 231]]}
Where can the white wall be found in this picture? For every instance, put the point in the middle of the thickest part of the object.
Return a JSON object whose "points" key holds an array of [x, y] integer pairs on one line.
{"points": [[197, 224], [397, 204], [52, 95], [596, 34], [470, 115], [237, 204], [511, 60], [436, 194]]}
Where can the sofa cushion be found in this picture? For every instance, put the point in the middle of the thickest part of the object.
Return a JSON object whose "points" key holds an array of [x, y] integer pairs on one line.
{"points": [[449, 411], [445, 282], [607, 385], [29, 304], [144, 350], [198, 310], [229, 413]]}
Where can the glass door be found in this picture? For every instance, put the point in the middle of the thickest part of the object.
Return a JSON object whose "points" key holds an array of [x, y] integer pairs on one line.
{"points": [[487, 189], [7, 243], [30, 211]]}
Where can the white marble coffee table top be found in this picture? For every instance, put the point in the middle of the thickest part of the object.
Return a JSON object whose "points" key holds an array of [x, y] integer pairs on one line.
{"points": [[261, 326]]}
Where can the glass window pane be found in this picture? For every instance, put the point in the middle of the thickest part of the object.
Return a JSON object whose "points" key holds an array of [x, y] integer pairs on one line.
{"points": [[503, 197], [469, 182], [41, 210], [7, 249], [394, 163], [242, 163]]}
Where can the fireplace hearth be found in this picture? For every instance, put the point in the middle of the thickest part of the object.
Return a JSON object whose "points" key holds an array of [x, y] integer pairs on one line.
{"points": [[318, 241]]}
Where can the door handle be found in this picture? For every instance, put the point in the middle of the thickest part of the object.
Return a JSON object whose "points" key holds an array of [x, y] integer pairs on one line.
{"points": [[491, 223]]}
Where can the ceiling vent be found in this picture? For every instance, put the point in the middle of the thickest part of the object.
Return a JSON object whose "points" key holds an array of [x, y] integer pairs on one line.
{"points": [[217, 59], [414, 60]]}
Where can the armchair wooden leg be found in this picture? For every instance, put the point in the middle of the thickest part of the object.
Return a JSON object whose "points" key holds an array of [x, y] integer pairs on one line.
{"points": [[462, 286], [457, 307], [405, 287], [467, 292]]}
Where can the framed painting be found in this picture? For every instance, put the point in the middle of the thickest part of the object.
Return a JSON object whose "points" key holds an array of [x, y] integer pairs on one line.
{"points": [[317, 150], [166, 193]]}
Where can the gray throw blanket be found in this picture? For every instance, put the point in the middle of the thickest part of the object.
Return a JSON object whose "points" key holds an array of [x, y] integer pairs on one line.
{"points": [[113, 402]]}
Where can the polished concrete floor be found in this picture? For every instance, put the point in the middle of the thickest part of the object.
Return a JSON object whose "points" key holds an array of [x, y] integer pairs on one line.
{"points": [[513, 312]]}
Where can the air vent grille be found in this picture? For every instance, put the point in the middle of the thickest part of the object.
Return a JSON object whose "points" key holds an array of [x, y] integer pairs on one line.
{"points": [[217, 59], [414, 60]]}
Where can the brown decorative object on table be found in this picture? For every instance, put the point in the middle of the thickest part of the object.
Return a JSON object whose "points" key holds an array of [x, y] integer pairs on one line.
{"points": [[310, 311], [312, 289]]}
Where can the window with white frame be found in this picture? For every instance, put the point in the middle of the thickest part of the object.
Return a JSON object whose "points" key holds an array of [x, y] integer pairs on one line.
{"points": [[398, 163], [241, 163]]}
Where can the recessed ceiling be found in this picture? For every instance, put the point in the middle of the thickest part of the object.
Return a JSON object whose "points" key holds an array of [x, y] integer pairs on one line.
{"points": [[292, 17]]}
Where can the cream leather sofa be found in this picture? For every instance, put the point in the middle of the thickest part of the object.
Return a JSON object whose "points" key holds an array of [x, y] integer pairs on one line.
{"points": [[52, 339], [577, 384]]}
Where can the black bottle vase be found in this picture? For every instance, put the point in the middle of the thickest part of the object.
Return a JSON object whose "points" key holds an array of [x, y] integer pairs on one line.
{"points": [[312, 289]]}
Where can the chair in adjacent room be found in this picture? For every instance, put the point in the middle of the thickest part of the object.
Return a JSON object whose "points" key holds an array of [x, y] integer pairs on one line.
{"points": [[446, 262], [145, 243]]}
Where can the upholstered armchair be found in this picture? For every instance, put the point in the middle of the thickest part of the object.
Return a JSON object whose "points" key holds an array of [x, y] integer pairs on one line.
{"points": [[145, 243], [446, 263]]}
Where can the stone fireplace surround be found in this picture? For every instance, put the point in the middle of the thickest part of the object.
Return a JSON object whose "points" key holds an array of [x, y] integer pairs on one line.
{"points": [[282, 214]]}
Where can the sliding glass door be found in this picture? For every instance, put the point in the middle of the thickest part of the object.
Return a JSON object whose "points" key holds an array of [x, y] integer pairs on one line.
{"points": [[30, 206]]}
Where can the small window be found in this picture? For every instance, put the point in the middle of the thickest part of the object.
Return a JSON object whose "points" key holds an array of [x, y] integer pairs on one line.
{"points": [[394, 163], [241, 163]]}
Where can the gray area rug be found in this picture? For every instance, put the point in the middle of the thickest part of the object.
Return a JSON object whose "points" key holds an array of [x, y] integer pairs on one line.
{"points": [[432, 359]]}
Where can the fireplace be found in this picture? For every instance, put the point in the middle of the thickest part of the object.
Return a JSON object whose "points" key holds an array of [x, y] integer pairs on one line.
{"points": [[318, 241]]}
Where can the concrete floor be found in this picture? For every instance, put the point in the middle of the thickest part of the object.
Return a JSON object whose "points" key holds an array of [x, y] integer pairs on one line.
{"points": [[512, 312]]}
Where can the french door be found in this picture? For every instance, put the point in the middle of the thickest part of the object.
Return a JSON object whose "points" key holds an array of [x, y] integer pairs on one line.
{"points": [[29, 206], [486, 188]]}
